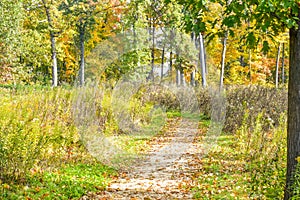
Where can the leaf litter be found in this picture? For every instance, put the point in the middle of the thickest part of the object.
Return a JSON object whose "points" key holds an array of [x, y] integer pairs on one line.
{"points": [[167, 171]]}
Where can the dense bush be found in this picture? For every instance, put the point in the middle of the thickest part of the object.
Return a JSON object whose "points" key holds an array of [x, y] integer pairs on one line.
{"points": [[158, 94], [36, 129], [254, 100], [182, 99], [112, 111], [242, 100]]}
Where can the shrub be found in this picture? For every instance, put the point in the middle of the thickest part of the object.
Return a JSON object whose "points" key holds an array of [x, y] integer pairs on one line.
{"points": [[160, 95], [265, 155], [35, 129], [255, 100], [204, 100], [172, 97]]}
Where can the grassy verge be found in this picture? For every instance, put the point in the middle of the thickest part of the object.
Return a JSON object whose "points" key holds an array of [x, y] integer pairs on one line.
{"points": [[68, 182], [247, 165], [223, 174]]}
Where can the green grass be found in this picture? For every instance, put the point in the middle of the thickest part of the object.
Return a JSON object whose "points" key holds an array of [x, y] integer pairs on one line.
{"points": [[222, 175], [229, 171], [68, 182], [186, 115], [173, 113]]}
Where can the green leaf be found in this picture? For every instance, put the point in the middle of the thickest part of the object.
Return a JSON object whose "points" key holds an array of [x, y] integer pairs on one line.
{"points": [[251, 40], [290, 23], [230, 21], [266, 47]]}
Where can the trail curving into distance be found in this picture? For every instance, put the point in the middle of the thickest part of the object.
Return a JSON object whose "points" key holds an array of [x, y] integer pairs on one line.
{"points": [[166, 172]]}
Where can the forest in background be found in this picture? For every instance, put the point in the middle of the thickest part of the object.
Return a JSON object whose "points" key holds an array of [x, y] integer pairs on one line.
{"points": [[47, 42]]}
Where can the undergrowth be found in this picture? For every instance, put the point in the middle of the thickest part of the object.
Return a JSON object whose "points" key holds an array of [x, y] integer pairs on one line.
{"points": [[42, 154], [250, 164], [70, 181]]}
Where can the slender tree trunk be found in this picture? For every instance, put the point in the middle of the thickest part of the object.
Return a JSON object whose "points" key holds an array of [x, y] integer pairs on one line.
{"points": [[202, 61], [54, 61], [293, 137], [282, 64], [242, 61], [204, 53], [178, 77], [162, 62], [134, 36], [171, 56], [277, 66], [152, 52], [223, 59], [182, 78], [196, 42], [82, 60], [250, 66], [53, 46], [178, 63], [192, 36], [171, 66], [193, 78]]}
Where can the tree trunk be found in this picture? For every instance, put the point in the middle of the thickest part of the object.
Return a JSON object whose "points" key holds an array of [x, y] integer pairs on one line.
{"points": [[223, 59], [205, 58], [178, 77], [293, 137], [250, 67], [171, 66], [54, 61], [162, 62], [171, 56], [152, 52], [282, 64], [192, 37], [242, 61], [82, 65], [277, 66], [53, 46], [196, 42], [202, 61], [193, 78], [182, 78]]}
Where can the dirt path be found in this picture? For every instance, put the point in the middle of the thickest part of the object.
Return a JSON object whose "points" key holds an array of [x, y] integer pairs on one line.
{"points": [[166, 172]]}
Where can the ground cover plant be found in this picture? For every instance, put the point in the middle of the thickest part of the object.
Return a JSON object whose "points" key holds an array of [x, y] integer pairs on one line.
{"points": [[247, 165], [70, 181], [42, 155]]}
